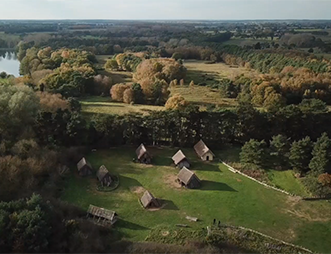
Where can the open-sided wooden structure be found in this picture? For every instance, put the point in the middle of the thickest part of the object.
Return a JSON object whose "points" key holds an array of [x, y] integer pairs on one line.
{"points": [[102, 216]]}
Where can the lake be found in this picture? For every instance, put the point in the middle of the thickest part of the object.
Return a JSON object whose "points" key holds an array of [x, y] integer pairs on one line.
{"points": [[9, 63]]}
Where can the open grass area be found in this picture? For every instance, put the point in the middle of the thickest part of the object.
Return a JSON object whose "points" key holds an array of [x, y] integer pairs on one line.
{"points": [[203, 96], [284, 180], [224, 196], [104, 105]]}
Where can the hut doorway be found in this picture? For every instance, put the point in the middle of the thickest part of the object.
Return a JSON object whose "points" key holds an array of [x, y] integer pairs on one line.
{"points": [[207, 158]]}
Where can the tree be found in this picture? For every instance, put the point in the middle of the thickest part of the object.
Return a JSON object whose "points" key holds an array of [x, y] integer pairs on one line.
{"points": [[280, 150], [111, 64], [117, 91], [313, 106], [160, 92], [325, 179], [321, 161], [177, 56], [176, 102], [311, 50], [253, 153], [128, 96], [3, 75], [300, 155], [138, 94]]}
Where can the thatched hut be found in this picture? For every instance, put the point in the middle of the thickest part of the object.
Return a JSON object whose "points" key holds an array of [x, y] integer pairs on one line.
{"points": [[203, 151], [143, 155], [84, 167], [101, 215], [149, 201], [180, 160], [104, 176], [188, 179]]}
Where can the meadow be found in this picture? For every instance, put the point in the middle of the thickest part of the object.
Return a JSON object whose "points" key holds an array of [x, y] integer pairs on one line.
{"points": [[224, 196]]}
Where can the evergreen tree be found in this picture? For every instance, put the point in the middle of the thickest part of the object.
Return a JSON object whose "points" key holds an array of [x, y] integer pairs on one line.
{"points": [[138, 94], [280, 150], [300, 155], [253, 153], [321, 163]]}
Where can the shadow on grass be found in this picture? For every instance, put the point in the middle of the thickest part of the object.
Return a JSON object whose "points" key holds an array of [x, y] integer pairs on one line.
{"points": [[163, 161], [129, 225], [100, 105], [210, 185], [168, 204], [128, 182], [207, 166]]}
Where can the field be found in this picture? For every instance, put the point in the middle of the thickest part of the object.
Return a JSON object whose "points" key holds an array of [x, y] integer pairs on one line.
{"points": [[104, 105], [224, 196]]}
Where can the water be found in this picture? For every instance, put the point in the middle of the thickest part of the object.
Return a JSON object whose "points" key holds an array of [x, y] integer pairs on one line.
{"points": [[9, 63]]}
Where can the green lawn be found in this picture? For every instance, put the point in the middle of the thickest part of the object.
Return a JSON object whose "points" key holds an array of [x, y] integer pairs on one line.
{"points": [[104, 105], [225, 196], [286, 180]]}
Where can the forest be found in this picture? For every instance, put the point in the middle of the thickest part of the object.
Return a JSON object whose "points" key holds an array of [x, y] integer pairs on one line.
{"points": [[278, 85]]}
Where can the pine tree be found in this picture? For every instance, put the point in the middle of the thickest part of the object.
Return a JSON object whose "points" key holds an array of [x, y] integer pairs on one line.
{"points": [[321, 161], [253, 153], [280, 150], [300, 154]]}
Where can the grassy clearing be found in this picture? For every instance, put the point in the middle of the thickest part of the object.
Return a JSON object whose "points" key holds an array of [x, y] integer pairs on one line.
{"points": [[224, 196], [281, 179], [104, 105], [203, 96]]}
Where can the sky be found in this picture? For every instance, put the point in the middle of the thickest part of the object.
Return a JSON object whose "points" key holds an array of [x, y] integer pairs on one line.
{"points": [[166, 9]]}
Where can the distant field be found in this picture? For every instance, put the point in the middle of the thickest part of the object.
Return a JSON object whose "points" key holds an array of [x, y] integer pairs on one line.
{"points": [[104, 105], [224, 196], [203, 96], [200, 72]]}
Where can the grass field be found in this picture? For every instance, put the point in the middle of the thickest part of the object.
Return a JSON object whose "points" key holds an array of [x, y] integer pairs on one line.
{"points": [[224, 196], [104, 105]]}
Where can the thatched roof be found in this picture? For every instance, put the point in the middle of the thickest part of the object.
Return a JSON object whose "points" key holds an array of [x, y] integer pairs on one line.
{"points": [[178, 157], [82, 163], [101, 212], [185, 175], [147, 198], [141, 150], [102, 172], [201, 149]]}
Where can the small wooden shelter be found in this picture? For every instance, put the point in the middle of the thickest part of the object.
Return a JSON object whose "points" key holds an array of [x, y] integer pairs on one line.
{"points": [[203, 151], [149, 201], [188, 179], [104, 176], [84, 167], [143, 155], [180, 160], [102, 216]]}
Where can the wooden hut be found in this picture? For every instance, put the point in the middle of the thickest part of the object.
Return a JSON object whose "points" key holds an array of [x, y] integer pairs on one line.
{"points": [[188, 179], [143, 155], [104, 176], [84, 167], [149, 201], [102, 216], [203, 151], [180, 160]]}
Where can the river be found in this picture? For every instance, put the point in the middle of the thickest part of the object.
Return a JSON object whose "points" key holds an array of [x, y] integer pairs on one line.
{"points": [[9, 63]]}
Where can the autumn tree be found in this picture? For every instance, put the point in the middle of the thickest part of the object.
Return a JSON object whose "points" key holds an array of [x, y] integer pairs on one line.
{"points": [[52, 102], [128, 96], [111, 64], [325, 179], [117, 91], [176, 102]]}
